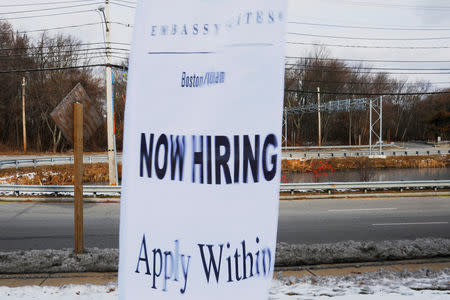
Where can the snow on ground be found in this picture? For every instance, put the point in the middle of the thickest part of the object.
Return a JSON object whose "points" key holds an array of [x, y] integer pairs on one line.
{"points": [[105, 260], [422, 284], [13, 178]]}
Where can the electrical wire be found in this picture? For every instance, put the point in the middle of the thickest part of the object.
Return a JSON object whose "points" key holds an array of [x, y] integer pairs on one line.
{"points": [[63, 68], [124, 1], [123, 5], [369, 68], [370, 83], [48, 15], [368, 94], [384, 5], [367, 60], [370, 39], [62, 27], [370, 47], [369, 27], [367, 72], [63, 45], [44, 3], [49, 8]]}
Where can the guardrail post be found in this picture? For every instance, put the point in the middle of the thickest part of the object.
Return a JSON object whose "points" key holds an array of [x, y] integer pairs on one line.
{"points": [[17, 164], [34, 163]]}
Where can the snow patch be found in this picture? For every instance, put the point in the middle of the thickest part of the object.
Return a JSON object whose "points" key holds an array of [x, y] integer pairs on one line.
{"points": [[422, 284], [55, 261], [105, 260], [360, 251]]}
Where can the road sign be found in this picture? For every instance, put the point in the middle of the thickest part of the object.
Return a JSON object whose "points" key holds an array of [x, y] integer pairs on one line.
{"points": [[63, 114]]}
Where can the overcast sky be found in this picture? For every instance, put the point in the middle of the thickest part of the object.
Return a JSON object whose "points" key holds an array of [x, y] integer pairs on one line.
{"points": [[330, 22]]}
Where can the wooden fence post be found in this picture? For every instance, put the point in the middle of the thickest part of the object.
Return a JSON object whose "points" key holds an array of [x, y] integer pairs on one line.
{"points": [[78, 177]]}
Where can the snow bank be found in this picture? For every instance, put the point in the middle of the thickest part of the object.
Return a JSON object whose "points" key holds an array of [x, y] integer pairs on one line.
{"points": [[53, 261], [105, 260], [422, 284], [65, 292], [362, 251]]}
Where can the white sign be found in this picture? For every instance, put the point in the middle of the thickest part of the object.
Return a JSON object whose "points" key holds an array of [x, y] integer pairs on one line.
{"points": [[201, 164]]}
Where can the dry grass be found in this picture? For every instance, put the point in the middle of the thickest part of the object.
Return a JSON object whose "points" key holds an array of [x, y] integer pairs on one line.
{"points": [[309, 165], [55, 175]]}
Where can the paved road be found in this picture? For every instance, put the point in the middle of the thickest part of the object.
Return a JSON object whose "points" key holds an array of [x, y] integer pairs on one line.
{"points": [[42, 226]]}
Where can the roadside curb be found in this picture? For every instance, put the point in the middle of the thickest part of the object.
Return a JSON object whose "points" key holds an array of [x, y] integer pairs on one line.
{"points": [[364, 195], [67, 200], [282, 197]]}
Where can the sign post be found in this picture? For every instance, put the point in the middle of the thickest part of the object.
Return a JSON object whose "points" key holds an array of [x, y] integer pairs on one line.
{"points": [[201, 162], [78, 176]]}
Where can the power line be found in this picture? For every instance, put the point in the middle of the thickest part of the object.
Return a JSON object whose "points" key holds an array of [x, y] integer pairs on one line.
{"points": [[369, 27], [124, 5], [368, 94], [370, 47], [368, 68], [68, 53], [63, 68], [309, 69], [123, 24], [49, 8], [49, 15], [129, 2], [63, 45], [62, 27], [44, 3], [370, 39], [369, 60], [384, 5], [370, 83]]}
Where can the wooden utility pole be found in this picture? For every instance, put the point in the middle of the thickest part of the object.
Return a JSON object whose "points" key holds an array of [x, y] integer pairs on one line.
{"points": [[350, 128], [78, 176], [24, 126], [112, 165], [318, 116]]}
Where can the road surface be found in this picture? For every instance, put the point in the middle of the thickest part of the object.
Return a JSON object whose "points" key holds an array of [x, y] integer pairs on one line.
{"points": [[43, 226]]}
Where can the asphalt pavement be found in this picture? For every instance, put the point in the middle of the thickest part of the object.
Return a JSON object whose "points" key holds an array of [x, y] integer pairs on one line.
{"points": [[50, 226]]}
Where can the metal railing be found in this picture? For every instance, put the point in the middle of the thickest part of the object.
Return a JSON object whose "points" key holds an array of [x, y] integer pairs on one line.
{"points": [[324, 154], [94, 190], [33, 162]]}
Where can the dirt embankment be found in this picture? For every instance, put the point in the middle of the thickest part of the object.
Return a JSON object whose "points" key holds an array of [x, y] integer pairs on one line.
{"points": [[98, 173], [55, 175], [310, 165]]}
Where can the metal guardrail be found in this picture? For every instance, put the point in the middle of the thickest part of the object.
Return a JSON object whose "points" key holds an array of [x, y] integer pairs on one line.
{"points": [[50, 161], [323, 154], [371, 185], [285, 187], [57, 189], [16, 163]]}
